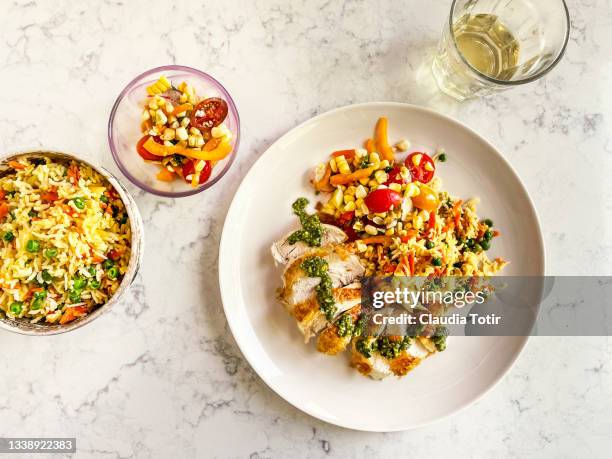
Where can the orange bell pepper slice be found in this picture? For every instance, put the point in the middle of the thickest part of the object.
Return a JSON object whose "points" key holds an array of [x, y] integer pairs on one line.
{"points": [[343, 179], [72, 313], [381, 141], [16, 165], [369, 145], [4, 210], [181, 108], [348, 154], [165, 175]]}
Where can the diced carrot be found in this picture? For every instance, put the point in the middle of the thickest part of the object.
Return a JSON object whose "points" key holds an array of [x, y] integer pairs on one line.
{"points": [[165, 175], [2, 195], [16, 165], [72, 313], [73, 174], [4, 210], [97, 259], [343, 179], [380, 138], [411, 263], [495, 233], [348, 154], [49, 196], [378, 240]]}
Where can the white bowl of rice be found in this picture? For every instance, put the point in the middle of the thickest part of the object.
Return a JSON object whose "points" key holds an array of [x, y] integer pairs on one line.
{"points": [[71, 240]]}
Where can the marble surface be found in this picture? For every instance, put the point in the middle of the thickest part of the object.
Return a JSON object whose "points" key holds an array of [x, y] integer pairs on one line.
{"points": [[160, 376]]}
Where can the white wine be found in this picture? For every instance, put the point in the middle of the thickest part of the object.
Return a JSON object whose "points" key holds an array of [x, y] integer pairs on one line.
{"points": [[487, 44]]}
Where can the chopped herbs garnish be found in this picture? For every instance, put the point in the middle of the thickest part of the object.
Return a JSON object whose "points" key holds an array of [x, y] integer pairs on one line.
{"points": [[318, 267], [312, 230]]}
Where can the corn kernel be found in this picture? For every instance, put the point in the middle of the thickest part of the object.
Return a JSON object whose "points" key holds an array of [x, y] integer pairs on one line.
{"points": [[374, 159], [199, 141], [333, 166], [435, 184], [428, 167], [153, 104], [360, 192], [327, 209], [364, 181], [191, 141], [381, 176], [361, 246], [342, 164], [185, 122], [349, 207], [350, 190], [358, 225], [364, 209], [181, 133], [384, 164], [416, 159], [417, 222], [361, 152], [390, 232], [160, 117], [169, 107], [378, 220], [194, 131], [146, 115], [402, 145], [348, 198], [217, 132], [424, 215], [336, 199], [412, 190], [371, 230], [183, 98], [168, 134], [175, 124], [395, 187], [373, 184], [167, 143]]}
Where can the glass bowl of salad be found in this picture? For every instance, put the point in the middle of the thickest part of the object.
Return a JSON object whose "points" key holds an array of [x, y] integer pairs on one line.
{"points": [[174, 131]]}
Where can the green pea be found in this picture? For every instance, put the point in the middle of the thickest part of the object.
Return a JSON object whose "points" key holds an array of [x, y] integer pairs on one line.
{"points": [[113, 273], [40, 295], [486, 245], [124, 219], [95, 284], [16, 308], [37, 304], [104, 199], [8, 236], [429, 244], [108, 264], [91, 270], [477, 247], [33, 246], [488, 235], [79, 203], [388, 169], [32, 213], [51, 253], [75, 296], [46, 277], [470, 243], [442, 158], [79, 283], [488, 222], [436, 261]]}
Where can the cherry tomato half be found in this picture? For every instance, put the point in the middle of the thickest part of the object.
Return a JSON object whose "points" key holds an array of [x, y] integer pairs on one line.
{"points": [[427, 199], [144, 154], [419, 172], [395, 176], [189, 169], [208, 113], [382, 200]]}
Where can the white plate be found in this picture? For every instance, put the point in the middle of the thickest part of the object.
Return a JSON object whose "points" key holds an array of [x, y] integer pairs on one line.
{"points": [[326, 387]]}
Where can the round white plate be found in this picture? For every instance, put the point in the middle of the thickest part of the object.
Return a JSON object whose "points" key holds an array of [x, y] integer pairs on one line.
{"points": [[326, 387]]}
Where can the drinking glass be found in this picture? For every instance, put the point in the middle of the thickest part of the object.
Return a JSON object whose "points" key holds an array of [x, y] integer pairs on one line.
{"points": [[492, 45]]}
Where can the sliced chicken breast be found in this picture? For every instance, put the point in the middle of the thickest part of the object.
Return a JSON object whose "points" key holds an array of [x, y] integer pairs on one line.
{"points": [[379, 367], [298, 294], [329, 341], [283, 252]]}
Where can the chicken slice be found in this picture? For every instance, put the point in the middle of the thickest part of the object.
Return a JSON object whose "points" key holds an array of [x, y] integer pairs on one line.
{"points": [[379, 367], [283, 252], [298, 294], [329, 341]]}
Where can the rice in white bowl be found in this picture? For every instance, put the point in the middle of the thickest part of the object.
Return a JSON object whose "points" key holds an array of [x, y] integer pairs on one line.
{"points": [[65, 240]]}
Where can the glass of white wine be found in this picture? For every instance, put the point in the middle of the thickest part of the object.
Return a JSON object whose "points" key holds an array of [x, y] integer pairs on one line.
{"points": [[492, 45]]}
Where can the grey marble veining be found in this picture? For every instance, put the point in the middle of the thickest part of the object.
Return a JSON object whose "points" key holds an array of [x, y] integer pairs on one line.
{"points": [[161, 376]]}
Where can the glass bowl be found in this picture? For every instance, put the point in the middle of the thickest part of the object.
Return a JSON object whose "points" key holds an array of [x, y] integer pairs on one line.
{"points": [[124, 130]]}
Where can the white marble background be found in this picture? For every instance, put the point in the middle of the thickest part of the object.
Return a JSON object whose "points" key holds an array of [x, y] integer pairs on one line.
{"points": [[161, 376]]}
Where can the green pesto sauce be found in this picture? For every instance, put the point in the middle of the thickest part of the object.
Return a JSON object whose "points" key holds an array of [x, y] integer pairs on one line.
{"points": [[346, 326], [312, 230], [386, 347], [318, 267]]}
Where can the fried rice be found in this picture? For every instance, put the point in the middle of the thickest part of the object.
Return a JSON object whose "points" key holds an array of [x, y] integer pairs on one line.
{"points": [[65, 240]]}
